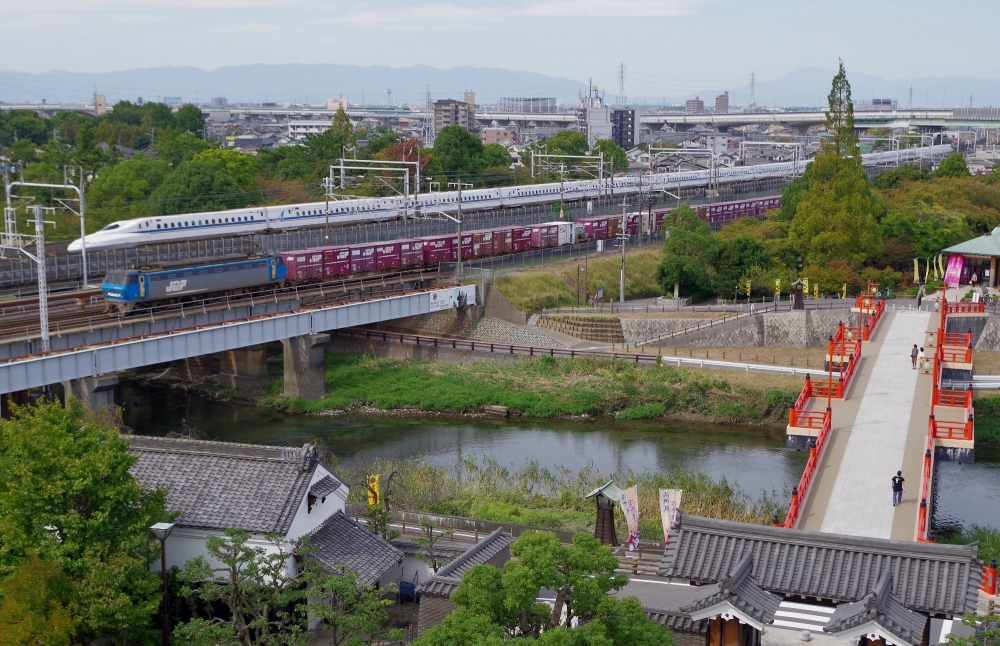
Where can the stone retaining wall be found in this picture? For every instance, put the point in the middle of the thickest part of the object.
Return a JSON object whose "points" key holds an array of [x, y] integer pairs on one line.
{"points": [[602, 329], [797, 329]]}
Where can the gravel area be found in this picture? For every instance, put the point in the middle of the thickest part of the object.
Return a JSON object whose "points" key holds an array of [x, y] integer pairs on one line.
{"points": [[499, 331]]}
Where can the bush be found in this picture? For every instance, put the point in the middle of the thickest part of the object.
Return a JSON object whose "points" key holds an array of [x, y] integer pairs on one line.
{"points": [[988, 419], [641, 411]]}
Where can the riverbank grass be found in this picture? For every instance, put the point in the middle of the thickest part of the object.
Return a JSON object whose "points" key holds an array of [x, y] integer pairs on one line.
{"points": [[543, 387], [554, 498]]}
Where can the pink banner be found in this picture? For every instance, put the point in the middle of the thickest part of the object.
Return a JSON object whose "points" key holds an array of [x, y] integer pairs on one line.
{"points": [[954, 272]]}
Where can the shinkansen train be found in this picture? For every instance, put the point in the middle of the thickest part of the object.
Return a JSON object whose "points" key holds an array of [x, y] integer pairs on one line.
{"points": [[174, 228]]}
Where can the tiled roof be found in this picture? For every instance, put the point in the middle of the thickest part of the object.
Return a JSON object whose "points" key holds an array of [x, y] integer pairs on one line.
{"points": [[609, 489], [342, 541], [984, 245], [930, 578], [223, 485], [448, 578], [880, 607], [675, 620], [739, 590], [324, 487]]}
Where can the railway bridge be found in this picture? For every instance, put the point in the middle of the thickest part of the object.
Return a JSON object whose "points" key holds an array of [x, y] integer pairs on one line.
{"points": [[88, 346]]}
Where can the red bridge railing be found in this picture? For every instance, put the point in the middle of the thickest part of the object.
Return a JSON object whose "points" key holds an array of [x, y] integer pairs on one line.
{"points": [[801, 491]]}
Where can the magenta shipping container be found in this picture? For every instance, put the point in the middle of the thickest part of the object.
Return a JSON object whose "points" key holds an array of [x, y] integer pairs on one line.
{"points": [[387, 255], [438, 249], [363, 257], [544, 235], [303, 265], [520, 239], [411, 254]]}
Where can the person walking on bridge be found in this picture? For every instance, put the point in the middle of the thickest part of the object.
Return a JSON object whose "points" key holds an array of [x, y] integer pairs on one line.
{"points": [[897, 488], [913, 356]]}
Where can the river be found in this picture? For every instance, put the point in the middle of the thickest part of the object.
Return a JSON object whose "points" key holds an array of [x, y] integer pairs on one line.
{"points": [[754, 458]]}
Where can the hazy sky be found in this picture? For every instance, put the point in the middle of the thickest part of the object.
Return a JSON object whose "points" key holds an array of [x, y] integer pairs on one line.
{"points": [[668, 46]]}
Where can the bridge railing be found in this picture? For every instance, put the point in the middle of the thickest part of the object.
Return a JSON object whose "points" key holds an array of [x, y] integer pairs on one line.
{"points": [[926, 480], [954, 398], [801, 491], [965, 307], [988, 582]]}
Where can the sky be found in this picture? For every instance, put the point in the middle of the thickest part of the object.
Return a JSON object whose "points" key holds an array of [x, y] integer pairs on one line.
{"points": [[669, 47]]}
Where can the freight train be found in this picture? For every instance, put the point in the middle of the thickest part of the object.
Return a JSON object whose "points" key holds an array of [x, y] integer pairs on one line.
{"points": [[174, 228], [126, 290]]}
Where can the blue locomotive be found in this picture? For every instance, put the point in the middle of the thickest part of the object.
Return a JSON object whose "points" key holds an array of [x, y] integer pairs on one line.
{"points": [[126, 289]]}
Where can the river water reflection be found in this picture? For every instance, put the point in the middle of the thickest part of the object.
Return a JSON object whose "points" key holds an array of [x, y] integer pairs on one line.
{"points": [[752, 457]]}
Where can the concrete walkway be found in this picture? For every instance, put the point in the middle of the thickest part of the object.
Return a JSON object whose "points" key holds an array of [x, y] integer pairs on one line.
{"points": [[860, 503]]}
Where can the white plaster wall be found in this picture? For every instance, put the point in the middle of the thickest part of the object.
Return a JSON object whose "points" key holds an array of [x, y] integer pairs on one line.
{"points": [[405, 571], [305, 521], [186, 543]]}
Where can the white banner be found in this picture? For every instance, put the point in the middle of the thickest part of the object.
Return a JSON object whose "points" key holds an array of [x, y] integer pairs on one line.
{"points": [[629, 500], [446, 299], [670, 504]]}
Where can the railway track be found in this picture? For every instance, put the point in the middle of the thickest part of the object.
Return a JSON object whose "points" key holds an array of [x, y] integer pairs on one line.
{"points": [[64, 320]]}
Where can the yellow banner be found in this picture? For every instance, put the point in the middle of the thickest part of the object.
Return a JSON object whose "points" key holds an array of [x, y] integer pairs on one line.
{"points": [[373, 493]]}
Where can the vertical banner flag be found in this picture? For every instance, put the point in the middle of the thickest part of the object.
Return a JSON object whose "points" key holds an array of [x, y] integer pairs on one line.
{"points": [[629, 500], [670, 504], [805, 287], [777, 287], [748, 288], [954, 272], [843, 291], [373, 492], [816, 291], [916, 270]]}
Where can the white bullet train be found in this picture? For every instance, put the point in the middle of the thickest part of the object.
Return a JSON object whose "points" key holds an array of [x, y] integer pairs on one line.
{"points": [[190, 226]]}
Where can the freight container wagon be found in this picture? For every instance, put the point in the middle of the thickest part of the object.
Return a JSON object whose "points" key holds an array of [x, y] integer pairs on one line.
{"points": [[438, 249], [503, 241], [488, 242], [387, 256], [363, 257], [304, 265], [336, 261], [480, 246], [411, 254], [467, 250], [520, 239], [544, 236]]}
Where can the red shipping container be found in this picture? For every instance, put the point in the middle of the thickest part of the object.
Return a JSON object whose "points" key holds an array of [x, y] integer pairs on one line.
{"points": [[544, 235], [595, 228], [467, 249], [438, 249], [659, 216], [306, 264], [520, 239], [411, 254], [632, 222], [503, 241], [478, 247], [487, 244], [387, 255], [336, 261], [363, 257]]}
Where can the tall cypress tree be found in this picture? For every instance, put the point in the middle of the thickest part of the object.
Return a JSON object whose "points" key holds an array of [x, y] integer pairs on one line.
{"points": [[837, 217]]}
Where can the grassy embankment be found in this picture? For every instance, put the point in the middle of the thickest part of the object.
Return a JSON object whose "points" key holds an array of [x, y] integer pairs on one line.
{"points": [[987, 537], [534, 495], [555, 285], [547, 387], [988, 419]]}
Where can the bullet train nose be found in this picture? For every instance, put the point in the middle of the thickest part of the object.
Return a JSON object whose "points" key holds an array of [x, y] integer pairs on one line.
{"points": [[76, 246]]}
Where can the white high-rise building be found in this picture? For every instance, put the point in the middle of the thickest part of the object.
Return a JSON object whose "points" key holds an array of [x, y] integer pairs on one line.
{"points": [[593, 117]]}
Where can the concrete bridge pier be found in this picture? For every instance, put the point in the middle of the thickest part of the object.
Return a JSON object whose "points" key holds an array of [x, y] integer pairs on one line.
{"points": [[94, 392], [304, 375], [244, 368]]}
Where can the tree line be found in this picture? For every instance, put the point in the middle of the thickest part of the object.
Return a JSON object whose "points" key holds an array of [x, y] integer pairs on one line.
{"points": [[835, 226], [141, 160]]}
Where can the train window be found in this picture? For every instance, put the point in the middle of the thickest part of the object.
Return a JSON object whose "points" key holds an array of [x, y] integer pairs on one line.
{"points": [[157, 226]]}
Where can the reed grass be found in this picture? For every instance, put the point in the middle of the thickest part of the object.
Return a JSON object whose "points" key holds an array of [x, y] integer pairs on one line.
{"points": [[530, 291], [987, 537], [548, 497]]}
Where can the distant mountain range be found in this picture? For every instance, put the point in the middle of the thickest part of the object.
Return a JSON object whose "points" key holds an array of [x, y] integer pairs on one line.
{"points": [[314, 84]]}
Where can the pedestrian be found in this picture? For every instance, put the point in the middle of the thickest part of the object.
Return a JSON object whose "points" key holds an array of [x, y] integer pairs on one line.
{"points": [[920, 358], [897, 488], [913, 356], [920, 295], [975, 279]]}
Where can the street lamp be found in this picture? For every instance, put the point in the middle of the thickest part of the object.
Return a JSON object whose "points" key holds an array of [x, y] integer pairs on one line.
{"points": [[161, 531]]}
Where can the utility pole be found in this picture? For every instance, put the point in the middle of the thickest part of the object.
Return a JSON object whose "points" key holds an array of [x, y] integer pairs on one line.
{"points": [[458, 215], [622, 237], [562, 172]]}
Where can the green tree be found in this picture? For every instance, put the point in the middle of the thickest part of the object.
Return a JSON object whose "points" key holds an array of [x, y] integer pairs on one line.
{"points": [[837, 216], [792, 194], [458, 153], [195, 187], [123, 189], [464, 628], [379, 139], [23, 124], [987, 632], [355, 613], [176, 147], [263, 600], [733, 261], [567, 142], [895, 177], [189, 119], [952, 166], [66, 494], [496, 156], [927, 234], [612, 152], [35, 605], [239, 165], [688, 253]]}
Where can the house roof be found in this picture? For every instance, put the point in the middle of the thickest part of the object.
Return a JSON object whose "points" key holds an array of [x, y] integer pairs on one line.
{"points": [[740, 591], [609, 489], [932, 578], [223, 485], [324, 487], [675, 620], [342, 541], [985, 245], [448, 578], [880, 607]]}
